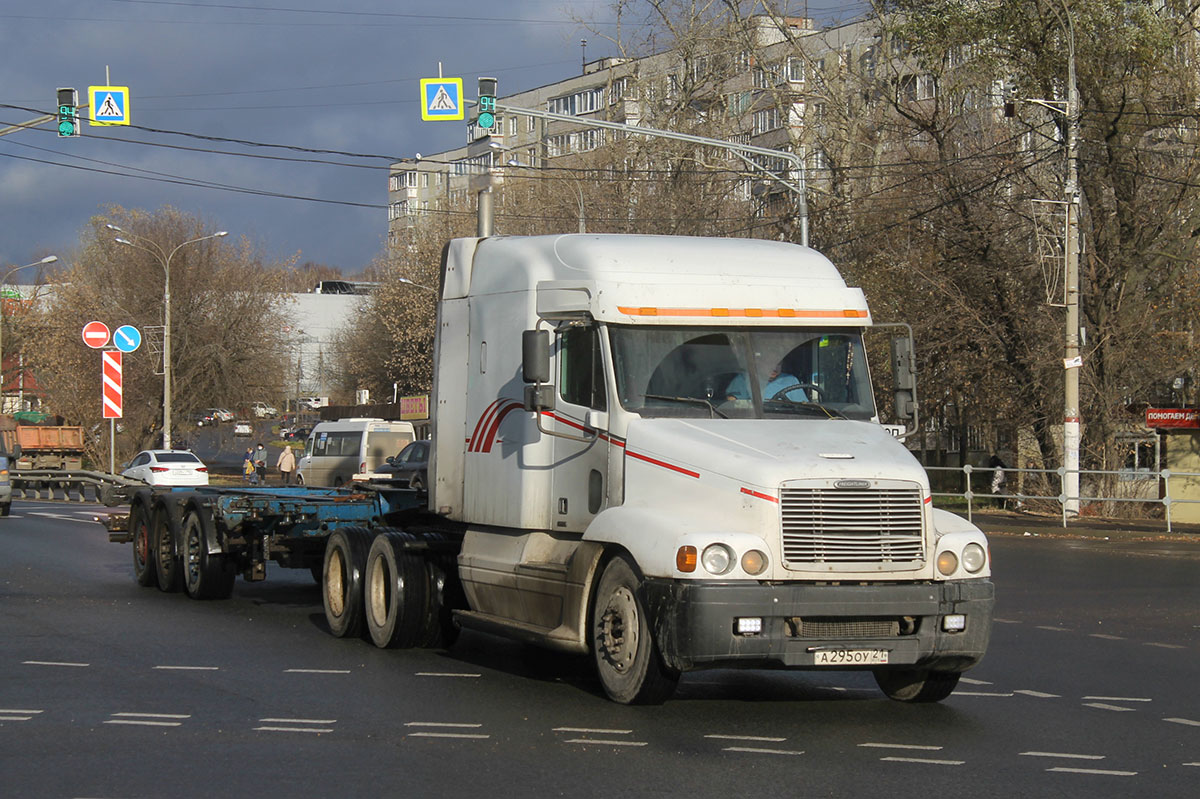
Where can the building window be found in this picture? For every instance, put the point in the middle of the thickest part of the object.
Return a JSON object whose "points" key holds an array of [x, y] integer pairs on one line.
{"points": [[766, 120], [558, 145], [795, 69], [582, 102]]}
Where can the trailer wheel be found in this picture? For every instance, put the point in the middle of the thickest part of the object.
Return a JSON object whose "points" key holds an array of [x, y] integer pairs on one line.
{"points": [[623, 647], [205, 575], [164, 532], [139, 526], [342, 580], [6, 509], [916, 685]]}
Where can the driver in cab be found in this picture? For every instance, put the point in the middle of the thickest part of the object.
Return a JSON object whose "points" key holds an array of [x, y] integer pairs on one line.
{"points": [[777, 381]]}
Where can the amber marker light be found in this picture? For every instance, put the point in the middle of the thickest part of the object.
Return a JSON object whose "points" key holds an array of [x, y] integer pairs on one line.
{"points": [[685, 559]]}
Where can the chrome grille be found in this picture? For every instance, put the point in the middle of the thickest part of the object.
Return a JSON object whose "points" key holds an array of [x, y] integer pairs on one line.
{"points": [[827, 525]]}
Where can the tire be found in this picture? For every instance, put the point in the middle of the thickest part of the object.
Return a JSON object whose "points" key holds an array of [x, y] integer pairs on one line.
{"points": [[342, 580], [416, 483], [164, 532], [205, 575], [916, 685], [5, 509], [397, 594], [299, 479], [445, 594], [623, 647], [139, 528]]}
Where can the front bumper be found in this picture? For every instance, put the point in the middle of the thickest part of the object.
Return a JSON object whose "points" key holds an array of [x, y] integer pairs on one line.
{"points": [[695, 622]]}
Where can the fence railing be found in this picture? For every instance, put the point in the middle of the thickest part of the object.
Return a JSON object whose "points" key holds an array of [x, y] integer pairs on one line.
{"points": [[1149, 489]]}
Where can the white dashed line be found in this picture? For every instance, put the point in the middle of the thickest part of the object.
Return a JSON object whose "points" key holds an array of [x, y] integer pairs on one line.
{"points": [[1164, 646], [54, 663], [317, 730], [922, 760], [468, 726], [1062, 754], [154, 715], [1119, 698], [604, 743], [1188, 722], [1190, 764], [1102, 772], [970, 681], [873, 745], [592, 731], [980, 693], [1052, 628], [316, 671], [1005, 621], [298, 721], [465, 735], [1036, 694], [759, 738], [187, 668], [754, 751], [445, 674], [1102, 706], [308, 729], [149, 719], [16, 714], [1106, 637]]}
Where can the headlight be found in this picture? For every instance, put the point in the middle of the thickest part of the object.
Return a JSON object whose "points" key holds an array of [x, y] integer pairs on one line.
{"points": [[754, 562], [717, 558], [973, 558], [947, 563]]}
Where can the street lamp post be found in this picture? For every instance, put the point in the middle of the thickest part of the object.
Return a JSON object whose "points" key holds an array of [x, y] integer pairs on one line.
{"points": [[164, 259], [49, 259]]}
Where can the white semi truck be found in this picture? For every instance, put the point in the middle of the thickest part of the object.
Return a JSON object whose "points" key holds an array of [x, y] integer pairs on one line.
{"points": [[662, 451]]}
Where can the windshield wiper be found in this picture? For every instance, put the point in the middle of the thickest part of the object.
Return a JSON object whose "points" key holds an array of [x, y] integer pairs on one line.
{"points": [[815, 408], [690, 401]]}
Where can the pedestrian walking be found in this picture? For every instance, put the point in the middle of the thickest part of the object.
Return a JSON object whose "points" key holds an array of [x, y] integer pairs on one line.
{"points": [[286, 464], [249, 473], [260, 463], [998, 477]]}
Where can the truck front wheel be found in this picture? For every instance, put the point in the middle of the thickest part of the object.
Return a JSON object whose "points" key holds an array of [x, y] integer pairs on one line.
{"points": [[916, 685], [623, 647]]}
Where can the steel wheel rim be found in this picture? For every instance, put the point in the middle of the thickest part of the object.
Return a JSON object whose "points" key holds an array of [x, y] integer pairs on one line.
{"points": [[379, 592], [335, 584], [619, 629]]}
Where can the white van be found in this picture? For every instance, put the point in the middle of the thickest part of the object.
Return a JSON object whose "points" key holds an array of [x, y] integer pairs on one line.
{"points": [[335, 451]]}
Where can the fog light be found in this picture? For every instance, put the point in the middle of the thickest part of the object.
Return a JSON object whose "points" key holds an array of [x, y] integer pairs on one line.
{"points": [[750, 625], [754, 562], [954, 622], [947, 563], [973, 558], [685, 559], [717, 558]]}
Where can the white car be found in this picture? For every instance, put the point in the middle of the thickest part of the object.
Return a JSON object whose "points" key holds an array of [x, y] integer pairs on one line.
{"points": [[242, 428], [167, 467], [264, 411]]}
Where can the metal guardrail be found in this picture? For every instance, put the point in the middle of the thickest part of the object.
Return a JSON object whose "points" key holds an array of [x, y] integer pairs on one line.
{"points": [[107, 489], [1093, 478]]}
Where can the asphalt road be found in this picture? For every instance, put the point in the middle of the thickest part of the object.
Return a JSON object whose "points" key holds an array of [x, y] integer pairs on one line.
{"points": [[111, 690]]}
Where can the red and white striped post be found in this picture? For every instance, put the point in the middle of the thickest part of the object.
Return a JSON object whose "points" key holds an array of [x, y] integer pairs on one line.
{"points": [[111, 377]]}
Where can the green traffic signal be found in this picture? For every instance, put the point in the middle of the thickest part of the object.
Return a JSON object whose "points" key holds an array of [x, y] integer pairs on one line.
{"points": [[68, 113], [487, 120], [66, 128]]}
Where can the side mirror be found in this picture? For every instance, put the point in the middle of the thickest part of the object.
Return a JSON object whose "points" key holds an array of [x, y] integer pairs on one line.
{"points": [[535, 356], [539, 397], [904, 377]]}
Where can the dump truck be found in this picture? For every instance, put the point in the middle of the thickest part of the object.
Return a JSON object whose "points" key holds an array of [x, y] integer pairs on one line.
{"points": [[38, 446], [663, 452]]}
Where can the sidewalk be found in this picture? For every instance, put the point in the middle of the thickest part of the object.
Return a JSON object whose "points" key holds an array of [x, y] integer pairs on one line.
{"points": [[1017, 523]]}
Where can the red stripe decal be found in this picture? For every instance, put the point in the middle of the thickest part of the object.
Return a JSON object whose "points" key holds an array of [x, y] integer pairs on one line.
{"points": [[929, 500], [480, 425], [657, 462], [490, 438], [760, 495], [566, 421], [614, 441]]}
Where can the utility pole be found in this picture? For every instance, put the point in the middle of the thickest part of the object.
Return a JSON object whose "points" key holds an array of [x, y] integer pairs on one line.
{"points": [[1072, 361]]}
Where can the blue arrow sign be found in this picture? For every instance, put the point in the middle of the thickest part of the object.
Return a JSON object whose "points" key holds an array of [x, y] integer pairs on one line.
{"points": [[127, 338]]}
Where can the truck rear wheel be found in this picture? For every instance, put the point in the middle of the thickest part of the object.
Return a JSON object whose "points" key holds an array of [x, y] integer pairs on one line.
{"points": [[623, 647], [916, 685], [164, 532], [205, 575], [139, 528], [397, 595], [342, 580]]}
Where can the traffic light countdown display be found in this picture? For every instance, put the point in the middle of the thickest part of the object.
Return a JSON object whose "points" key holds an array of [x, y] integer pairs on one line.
{"points": [[487, 104], [68, 113]]}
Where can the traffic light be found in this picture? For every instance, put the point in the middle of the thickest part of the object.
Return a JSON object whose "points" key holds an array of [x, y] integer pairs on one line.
{"points": [[68, 113], [487, 104]]}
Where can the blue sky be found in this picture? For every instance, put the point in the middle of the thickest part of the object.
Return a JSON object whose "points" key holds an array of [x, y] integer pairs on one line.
{"points": [[319, 75]]}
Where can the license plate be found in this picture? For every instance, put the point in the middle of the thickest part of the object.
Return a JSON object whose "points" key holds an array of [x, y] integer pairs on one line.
{"points": [[850, 657]]}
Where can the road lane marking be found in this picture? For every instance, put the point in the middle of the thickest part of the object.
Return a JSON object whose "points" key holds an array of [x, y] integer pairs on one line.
{"points": [[316, 671], [298, 721], [1164, 646], [874, 745], [445, 674], [154, 715], [980, 693], [17, 714], [294, 729], [1037, 694], [592, 731], [603, 742], [1053, 628], [187, 668], [308, 729], [54, 663], [1005, 621], [18, 710], [1102, 706], [759, 738], [1102, 772], [756, 751], [928, 761], [1119, 698], [970, 681], [1191, 764], [466, 735], [148, 719], [1106, 637], [1062, 754], [1188, 722], [469, 726]]}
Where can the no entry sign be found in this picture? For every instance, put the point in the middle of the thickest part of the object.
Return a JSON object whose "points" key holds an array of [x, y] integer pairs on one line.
{"points": [[95, 334], [111, 376]]}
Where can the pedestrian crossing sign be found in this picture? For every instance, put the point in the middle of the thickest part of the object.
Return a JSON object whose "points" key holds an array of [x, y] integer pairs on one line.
{"points": [[441, 98], [108, 105]]}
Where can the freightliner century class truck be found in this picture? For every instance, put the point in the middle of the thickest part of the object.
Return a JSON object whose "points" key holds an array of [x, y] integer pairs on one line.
{"points": [[661, 451]]}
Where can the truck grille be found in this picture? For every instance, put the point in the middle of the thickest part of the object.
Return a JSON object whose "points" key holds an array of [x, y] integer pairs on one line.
{"points": [[828, 525]]}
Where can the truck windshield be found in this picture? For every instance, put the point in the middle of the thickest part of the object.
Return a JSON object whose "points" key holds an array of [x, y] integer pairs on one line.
{"points": [[743, 373]]}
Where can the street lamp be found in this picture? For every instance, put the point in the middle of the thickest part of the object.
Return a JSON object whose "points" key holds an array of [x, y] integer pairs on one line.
{"points": [[414, 283], [49, 259], [164, 258]]}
